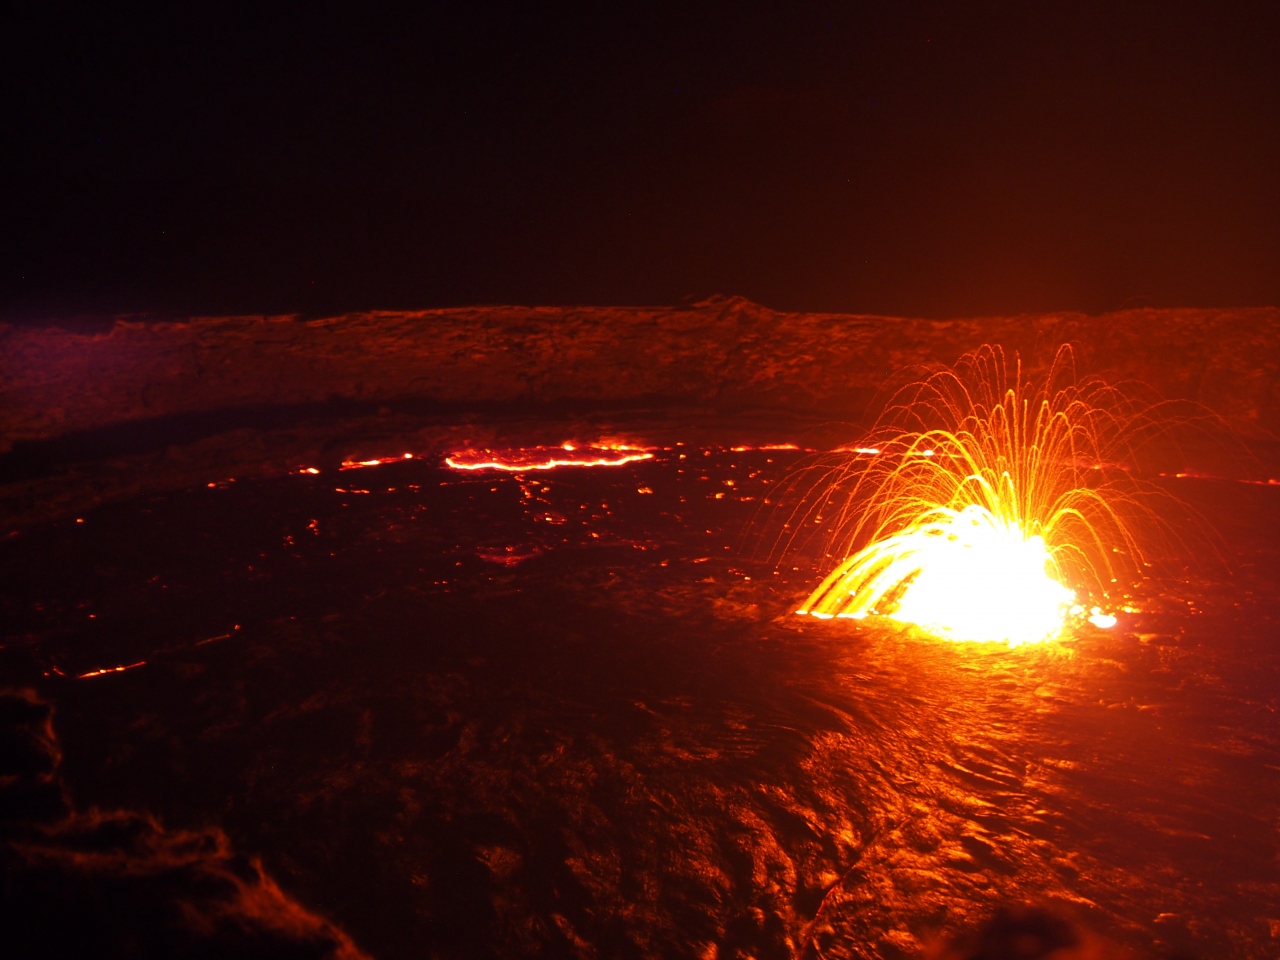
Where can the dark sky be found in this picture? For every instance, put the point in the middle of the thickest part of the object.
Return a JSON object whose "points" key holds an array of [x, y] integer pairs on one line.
{"points": [[933, 159]]}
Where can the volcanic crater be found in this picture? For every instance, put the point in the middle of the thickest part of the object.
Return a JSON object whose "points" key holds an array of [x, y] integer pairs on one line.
{"points": [[472, 633]]}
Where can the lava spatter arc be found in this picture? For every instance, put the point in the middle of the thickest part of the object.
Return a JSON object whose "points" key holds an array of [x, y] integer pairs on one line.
{"points": [[979, 509]]}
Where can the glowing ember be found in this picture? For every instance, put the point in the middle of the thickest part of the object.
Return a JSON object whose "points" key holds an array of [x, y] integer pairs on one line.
{"points": [[528, 459], [983, 514]]}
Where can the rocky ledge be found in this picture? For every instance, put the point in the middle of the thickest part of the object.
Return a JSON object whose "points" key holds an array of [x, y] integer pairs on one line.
{"points": [[727, 354]]}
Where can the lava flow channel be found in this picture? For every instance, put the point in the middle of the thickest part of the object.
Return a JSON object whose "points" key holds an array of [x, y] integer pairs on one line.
{"points": [[982, 513]]}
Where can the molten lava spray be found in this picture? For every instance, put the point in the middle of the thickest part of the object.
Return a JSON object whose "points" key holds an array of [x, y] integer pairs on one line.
{"points": [[992, 507]]}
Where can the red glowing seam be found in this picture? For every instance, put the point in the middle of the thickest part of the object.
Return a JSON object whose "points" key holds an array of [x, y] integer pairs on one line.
{"points": [[1192, 475], [221, 636], [120, 669], [766, 446], [624, 448], [376, 462]]}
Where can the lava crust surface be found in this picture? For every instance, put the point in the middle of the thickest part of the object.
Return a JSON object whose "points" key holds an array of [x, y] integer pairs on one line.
{"points": [[570, 712]]}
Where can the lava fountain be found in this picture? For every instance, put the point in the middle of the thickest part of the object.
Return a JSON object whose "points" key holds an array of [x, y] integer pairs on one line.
{"points": [[991, 506]]}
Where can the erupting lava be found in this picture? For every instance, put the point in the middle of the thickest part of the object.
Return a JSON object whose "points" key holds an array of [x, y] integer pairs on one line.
{"points": [[990, 506]]}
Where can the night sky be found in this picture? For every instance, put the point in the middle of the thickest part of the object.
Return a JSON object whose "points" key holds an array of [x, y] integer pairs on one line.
{"points": [[923, 159]]}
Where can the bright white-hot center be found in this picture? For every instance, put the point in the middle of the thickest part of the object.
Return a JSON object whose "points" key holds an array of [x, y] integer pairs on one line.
{"points": [[973, 576]]}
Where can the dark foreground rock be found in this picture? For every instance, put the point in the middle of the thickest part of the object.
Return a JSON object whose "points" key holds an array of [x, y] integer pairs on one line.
{"points": [[118, 884]]}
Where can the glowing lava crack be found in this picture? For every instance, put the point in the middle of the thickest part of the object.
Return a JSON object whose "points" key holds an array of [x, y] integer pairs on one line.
{"points": [[528, 459], [984, 507]]}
